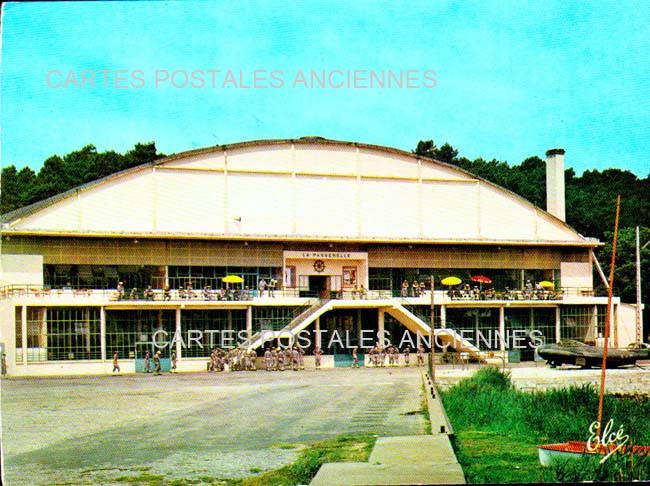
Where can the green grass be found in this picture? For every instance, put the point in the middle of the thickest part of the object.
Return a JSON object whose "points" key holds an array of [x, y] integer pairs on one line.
{"points": [[345, 448], [425, 410], [488, 457], [497, 428]]}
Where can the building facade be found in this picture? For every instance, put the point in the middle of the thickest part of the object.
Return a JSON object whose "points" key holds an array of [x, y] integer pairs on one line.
{"points": [[338, 243]]}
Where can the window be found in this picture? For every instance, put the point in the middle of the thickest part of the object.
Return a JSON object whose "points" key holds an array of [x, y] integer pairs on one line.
{"points": [[73, 333]]}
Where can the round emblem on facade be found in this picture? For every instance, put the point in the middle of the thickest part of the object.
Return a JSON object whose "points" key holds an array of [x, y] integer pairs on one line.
{"points": [[319, 265]]}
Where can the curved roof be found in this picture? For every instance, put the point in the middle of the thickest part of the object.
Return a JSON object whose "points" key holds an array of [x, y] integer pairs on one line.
{"points": [[296, 189]]}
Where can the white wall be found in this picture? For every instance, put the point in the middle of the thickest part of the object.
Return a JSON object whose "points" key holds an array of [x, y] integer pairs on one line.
{"points": [[21, 270]]}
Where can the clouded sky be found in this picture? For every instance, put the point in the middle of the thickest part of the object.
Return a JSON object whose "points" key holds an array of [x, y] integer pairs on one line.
{"points": [[496, 79]]}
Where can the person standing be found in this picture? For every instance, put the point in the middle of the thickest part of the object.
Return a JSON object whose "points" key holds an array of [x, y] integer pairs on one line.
{"points": [[420, 356], [407, 356], [173, 361], [4, 364], [295, 358], [156, 362], [147, 362], [120, 290], [253, 360], [273, 283], [416, 288], [268, 359], [405, 288], [116, 366], [355, 358], [261, 287], [317, 357]]}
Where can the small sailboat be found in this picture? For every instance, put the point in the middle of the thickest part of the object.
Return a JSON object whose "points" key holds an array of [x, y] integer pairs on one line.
{"points": [[603, 441]]}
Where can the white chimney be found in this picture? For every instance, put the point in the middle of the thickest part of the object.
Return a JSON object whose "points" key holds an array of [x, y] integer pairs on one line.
{"points": [[555, 183]]}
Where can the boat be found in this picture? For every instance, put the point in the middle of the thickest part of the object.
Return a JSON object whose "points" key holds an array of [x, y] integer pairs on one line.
{"points": [[580, 354], [602, 442], [550, 454]]}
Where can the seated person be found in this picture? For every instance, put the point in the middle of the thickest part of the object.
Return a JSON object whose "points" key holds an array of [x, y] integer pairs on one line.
{"points": [[167, 295], [149, 293], [207, 293], [363, 292], [189, 290]]}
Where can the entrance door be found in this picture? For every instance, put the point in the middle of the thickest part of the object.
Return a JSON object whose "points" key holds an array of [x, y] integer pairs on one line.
{"points": [[318, 286]]}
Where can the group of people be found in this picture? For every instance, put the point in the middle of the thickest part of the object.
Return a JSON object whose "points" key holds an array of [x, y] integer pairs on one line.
{"points": [[529, 292], [278, 359], [379, 354], [185, 292], [472, 293], [147, 362], [413, 289], [269, 287], [237, 359]]}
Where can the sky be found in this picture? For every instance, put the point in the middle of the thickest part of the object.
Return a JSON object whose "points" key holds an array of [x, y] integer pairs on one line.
{"points": [[495, 79]]}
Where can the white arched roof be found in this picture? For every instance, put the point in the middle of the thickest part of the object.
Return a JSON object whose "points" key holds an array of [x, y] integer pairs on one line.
{"points": [[303, 189]]}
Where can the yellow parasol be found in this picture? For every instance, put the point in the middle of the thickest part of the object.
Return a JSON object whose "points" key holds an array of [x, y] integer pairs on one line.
{"points": [[451, 281], [546, 284], [232, 279]]}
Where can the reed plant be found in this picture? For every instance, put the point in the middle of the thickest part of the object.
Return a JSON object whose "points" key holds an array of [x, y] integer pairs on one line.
{"points": [[488, 405]]}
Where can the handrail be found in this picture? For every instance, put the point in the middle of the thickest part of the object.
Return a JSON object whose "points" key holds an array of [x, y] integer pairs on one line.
{"points": [[10, 290]]}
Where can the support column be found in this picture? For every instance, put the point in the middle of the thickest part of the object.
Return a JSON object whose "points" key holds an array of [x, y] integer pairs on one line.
{"points": [[249, 322], [380, 325], [23, 325], [358, 327], [178, 333], [42, 340], [443, 317], [502, 327], [102, 332], [615, 323], [594, 324], [318, 336], [558, 332]]}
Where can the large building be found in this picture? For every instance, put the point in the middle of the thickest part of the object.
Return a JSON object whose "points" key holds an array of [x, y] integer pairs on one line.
{"points": [[354, 234]]}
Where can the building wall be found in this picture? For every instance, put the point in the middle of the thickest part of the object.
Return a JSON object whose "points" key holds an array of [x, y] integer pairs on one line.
{"points": [[128, 251]]}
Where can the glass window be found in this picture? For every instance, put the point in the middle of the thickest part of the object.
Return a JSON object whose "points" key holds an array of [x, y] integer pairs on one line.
{"points": [[73, 333], [131, 332], [204, 330]]}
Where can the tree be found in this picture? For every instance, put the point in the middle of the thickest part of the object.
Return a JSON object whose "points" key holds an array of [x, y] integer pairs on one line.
{"points": [[427, 148], [58, 174]]}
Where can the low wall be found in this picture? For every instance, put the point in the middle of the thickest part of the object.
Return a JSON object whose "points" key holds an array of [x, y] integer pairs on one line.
{"points": [[77, 368]]}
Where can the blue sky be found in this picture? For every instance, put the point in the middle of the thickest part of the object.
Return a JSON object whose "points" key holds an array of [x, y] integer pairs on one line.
{"points": [[512, 78]]}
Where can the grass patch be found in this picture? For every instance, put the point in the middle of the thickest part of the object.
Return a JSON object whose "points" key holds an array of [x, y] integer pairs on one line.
{"points": [[339, 449], [424, 404], [142, 479], [488, 457], [497, 428]]}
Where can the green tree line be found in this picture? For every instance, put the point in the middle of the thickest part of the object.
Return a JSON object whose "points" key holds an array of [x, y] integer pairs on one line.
{"points": [[590, 209], [58, 174]]}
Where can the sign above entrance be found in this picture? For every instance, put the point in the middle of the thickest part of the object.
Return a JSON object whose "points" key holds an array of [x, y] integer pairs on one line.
{"points": [[319, 265], [327, 255]]}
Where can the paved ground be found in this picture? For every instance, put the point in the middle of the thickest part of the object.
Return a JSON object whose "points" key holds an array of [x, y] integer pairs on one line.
{"points": [[95, 430], [92, 430], [538, 376]]}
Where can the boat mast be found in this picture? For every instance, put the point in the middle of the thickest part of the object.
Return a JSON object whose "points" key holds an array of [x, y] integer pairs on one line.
{"points": [[639, 326], [608, 318]]}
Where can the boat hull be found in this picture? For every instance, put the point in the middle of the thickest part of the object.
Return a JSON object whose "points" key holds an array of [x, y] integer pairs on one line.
{"points": [[550, 454]]}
